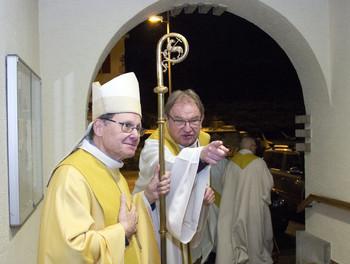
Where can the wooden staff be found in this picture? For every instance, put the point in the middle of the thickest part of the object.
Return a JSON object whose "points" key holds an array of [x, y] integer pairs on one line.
{"points": [[171, 48]]}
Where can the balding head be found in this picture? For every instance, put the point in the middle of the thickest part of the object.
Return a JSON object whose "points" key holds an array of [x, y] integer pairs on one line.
{"points": [[249, 144]]}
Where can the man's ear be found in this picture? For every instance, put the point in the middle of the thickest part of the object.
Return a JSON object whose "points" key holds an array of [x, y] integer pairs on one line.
{"points": [[98, 127], [166, 117], [202, 118]]}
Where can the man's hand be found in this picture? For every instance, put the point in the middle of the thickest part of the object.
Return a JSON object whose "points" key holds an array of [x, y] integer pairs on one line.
{"points": [[209, 197], [155, 188], [213, 152], [128, 218]]}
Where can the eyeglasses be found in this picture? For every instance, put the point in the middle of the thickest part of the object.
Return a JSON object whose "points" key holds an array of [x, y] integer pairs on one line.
{"points": [[181, 123], [128, 128]]}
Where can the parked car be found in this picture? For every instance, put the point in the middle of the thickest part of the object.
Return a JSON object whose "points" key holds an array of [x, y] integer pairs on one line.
{"points": [[287, 168]]}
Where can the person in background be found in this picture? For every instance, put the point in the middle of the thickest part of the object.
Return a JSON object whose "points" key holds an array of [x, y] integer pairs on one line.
{"points": [[244, 225], [89, 215], [187, 156]]}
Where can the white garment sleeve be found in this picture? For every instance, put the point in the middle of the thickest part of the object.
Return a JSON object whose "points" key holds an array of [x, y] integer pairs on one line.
{"points": [[185, 199]]}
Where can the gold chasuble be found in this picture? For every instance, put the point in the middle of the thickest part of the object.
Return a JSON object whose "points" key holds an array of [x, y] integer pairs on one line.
{"points": [[100, 242], [204, 139], [243, 161]]}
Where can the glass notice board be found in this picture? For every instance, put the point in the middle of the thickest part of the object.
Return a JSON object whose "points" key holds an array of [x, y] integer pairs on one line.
{"points": [[24, 131]]}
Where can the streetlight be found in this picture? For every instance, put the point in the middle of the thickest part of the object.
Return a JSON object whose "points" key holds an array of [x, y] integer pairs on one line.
{"points": [[167, 21]]}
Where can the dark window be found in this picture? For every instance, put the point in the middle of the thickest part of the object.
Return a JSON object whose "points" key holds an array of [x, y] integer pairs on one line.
{"points": [[274, 160], [292, 161]]}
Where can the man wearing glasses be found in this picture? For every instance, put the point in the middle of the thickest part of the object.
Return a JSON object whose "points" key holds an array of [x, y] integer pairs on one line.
{"points": [[187, 154], [89, 215]]}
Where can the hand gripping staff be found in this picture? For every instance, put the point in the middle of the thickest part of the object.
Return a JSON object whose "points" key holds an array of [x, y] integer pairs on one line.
{"points": [[173, 39]]}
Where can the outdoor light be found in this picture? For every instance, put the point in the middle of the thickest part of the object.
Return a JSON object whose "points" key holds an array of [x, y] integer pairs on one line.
{"points": [[167, 21], [156, 18]]}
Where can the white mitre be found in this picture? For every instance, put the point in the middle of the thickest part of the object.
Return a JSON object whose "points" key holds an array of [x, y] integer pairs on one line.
{"points": [[120, 95]]}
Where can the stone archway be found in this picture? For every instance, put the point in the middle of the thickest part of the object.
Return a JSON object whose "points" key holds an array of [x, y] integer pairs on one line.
{"points": [[288, 46], [309, 70]]}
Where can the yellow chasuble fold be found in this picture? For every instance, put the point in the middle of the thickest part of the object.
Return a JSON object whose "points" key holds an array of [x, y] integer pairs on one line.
{"points": [[243, 160], [100, 180]]}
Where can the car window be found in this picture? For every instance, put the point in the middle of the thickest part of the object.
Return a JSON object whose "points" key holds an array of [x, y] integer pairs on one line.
{"points": [[273, 160], [293, 161], [267, 157]]}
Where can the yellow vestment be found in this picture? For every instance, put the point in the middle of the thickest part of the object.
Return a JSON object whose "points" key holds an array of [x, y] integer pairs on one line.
{"points": [[80, 216]]}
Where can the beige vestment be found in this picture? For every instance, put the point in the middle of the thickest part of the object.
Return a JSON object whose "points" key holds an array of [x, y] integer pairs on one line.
{"points": [[244, 224]]}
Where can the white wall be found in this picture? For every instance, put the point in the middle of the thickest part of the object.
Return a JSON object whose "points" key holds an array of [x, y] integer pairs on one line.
{"points": [[75, 37], [19, 34], [330, 163]]}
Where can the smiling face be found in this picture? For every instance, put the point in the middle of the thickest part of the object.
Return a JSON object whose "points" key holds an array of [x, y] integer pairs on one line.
{"points": [[186, 134], [112, 140]]}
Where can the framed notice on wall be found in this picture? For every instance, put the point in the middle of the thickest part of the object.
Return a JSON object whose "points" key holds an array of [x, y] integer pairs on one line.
{"points": [[24, 132]]}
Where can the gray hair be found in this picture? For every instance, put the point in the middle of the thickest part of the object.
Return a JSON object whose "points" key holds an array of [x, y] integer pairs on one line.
{"points": [[184, 96], [102, 117]]}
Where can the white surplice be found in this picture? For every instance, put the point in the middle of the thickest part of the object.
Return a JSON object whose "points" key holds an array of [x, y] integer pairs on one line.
{"points": [[185, 199]]}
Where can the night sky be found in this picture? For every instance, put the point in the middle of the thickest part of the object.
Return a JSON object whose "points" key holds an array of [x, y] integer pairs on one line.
{"points": [[241, 74]]}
